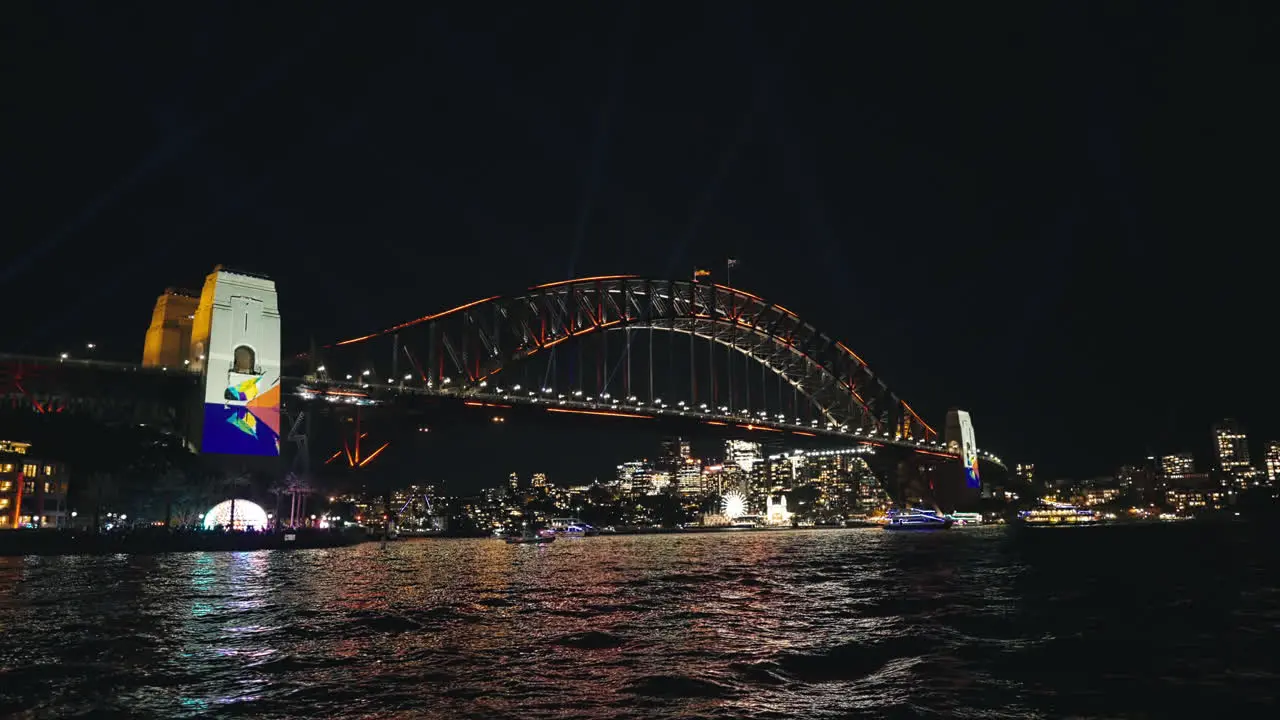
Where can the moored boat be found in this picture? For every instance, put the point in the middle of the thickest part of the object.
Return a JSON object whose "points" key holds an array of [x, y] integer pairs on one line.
{"points": [[917, 520]]}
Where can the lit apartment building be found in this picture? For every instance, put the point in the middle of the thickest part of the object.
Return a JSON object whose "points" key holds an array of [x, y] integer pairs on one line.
{"points": [[1231, 448], [1176, 466], [33, 493], [1189, 500], [1273, 461]]}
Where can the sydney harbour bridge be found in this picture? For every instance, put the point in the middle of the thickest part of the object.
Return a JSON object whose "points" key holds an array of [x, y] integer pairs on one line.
{"points": [[694, 358]]}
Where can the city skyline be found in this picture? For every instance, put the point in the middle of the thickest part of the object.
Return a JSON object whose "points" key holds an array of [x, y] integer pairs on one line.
{"points": [[1206, 463]]}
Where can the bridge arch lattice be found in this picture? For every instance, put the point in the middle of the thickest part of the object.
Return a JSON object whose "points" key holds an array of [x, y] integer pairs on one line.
{"points": [[477, 344]]}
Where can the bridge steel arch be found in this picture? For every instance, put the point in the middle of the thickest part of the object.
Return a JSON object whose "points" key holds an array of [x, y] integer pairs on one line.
{"points": [[476, 342]]}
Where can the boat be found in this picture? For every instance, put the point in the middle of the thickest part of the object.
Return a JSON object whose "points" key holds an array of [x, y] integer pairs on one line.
{"points": [[571, 527], [1056, 514], [917, 520], [966, 518], [542, 537], [535, 540]]}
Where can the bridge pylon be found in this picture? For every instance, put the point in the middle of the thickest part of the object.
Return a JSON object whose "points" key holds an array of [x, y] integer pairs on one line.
{"points": [[235, 346]]}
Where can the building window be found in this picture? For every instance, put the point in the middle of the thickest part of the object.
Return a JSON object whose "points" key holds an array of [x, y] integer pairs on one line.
{"points": [[7, 467], [243, 360], [29, 470], [48, 469]]}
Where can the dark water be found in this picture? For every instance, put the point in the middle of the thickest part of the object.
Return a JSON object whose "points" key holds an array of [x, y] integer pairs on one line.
{"points": [[1165, 621]]}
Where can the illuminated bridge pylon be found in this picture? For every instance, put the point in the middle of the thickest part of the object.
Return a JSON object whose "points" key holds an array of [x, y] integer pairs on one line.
{"points": [[633, 343]]}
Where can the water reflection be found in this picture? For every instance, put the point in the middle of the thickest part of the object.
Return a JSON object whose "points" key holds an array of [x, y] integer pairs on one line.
{"points": [[807, 624]]}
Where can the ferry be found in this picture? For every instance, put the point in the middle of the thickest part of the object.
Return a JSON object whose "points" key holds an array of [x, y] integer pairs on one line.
{"points": [[917, 520], [571, 527], [966, 518], [1056, 514]]}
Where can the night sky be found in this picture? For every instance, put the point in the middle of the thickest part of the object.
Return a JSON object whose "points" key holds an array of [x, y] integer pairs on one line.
{"points": [[1054, 216]]}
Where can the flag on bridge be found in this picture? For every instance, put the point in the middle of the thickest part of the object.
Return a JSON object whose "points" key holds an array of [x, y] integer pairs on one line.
{"points": [[700, 273], [731, 263]]}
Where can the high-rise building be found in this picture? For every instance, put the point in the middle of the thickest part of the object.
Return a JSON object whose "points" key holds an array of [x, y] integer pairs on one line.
{"points": [[634, 476], [675, 449], [1273, 462], [1176, 466], [742, 453], [1231, 447], [689, 477], [713, 479]]}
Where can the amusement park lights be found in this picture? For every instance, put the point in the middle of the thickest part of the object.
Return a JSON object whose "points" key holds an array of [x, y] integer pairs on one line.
{"points": [[733, 505]]}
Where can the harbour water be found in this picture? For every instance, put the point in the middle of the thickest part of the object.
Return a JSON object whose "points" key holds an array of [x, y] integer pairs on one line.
{"points": [[1165, 621]]}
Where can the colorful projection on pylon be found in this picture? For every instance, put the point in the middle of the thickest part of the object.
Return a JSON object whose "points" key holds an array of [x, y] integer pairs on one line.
{"points": [[244, 391], [971, 476], [246, 422]]}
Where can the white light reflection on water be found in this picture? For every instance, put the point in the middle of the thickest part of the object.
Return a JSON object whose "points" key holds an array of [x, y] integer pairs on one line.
{"points": [[802, 624]]}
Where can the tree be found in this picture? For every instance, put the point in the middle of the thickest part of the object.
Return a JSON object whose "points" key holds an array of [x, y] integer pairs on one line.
{"points": [[171, 484], [103, 488], [278, 488], [299, 489]]}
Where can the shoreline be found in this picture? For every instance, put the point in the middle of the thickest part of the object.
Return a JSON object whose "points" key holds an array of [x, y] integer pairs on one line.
{"points": [[54, 543], [22, 543]]}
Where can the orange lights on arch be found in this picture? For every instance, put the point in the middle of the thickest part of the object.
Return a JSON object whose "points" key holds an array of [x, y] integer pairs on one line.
{"points": [[928, 430], [851, 353], [743, 293], [601, 413], [596, 278], [416, 321], [553, 343]]}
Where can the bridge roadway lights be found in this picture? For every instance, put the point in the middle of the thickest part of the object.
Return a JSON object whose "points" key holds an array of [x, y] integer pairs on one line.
{"points": [[364, 394]]}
